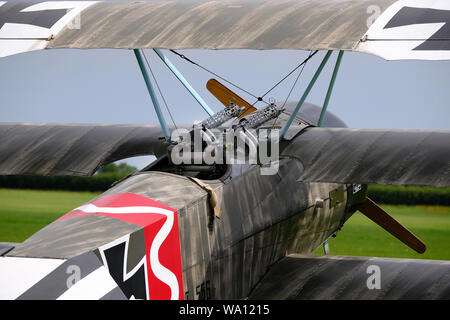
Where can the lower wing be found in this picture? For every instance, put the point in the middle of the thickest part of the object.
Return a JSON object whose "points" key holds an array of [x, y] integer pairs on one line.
{"points": [[373, 156], [338, 277], [73, 149]]}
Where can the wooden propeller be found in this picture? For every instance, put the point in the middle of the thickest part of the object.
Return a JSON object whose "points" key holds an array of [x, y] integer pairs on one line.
{"points": [[226, 96], [372, 211]]}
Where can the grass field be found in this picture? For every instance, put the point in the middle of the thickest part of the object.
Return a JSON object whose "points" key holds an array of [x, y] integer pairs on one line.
{"points": [[361, 237], [23, 212]]}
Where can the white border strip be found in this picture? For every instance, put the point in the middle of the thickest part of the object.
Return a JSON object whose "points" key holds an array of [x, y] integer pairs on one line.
{"points": [[92, 287], [161, 272]]}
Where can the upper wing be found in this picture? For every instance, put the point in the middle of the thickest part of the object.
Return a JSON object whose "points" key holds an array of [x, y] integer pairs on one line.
{"points": [[73, 149], [405, 29], [349, 278], [366, 156]]}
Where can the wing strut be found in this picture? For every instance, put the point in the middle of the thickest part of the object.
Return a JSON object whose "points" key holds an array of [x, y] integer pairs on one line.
{"points": [[139, 56], [330, 87], [183, 80], [305, 94]]}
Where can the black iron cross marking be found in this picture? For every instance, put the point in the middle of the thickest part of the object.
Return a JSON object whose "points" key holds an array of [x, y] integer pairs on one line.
{"points": [[10, 12], [409, 16], [135, 285]]}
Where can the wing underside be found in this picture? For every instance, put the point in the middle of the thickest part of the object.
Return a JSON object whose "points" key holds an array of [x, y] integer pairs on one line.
{"points": [[405, 29]]}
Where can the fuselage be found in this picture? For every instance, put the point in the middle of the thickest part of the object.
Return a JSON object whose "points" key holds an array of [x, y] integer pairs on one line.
{"points": [[263, 217], [193, 231]]}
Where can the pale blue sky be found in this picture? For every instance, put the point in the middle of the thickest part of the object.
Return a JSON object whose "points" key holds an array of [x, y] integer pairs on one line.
{"points": [[106, 86]]}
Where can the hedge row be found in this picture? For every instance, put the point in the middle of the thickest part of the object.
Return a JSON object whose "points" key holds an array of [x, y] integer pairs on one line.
{"points": [[409, 195], [101, 182], [94, 183]]}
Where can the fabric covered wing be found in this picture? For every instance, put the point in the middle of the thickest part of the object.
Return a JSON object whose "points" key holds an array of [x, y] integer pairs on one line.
{"points": [[72, 149], [272, 24], [337, 277], [389, 157], [292, 24], [405, 29], [409, 29]]}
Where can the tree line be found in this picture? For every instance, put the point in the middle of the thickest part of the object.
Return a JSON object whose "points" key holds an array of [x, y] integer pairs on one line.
{"points": [[111, 173]]}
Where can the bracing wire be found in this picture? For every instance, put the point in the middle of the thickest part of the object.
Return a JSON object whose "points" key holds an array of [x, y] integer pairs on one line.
{"points": [[293, 86], [258, 98], [216, 75], [295, 82], [159, 89], [311, 54]]}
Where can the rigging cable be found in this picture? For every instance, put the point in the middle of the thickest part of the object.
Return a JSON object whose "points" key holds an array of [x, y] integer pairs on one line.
{"points": [[260, 98], [159, 89], [293, 86], [295, 82], [182, 56], [291, 72]]}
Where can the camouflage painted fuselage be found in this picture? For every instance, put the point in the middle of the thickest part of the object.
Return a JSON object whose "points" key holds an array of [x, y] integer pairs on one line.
{"points": [[263, 218]]}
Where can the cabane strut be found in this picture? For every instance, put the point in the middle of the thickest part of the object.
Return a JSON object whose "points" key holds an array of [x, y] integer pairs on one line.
{"points": [[139, 56]]}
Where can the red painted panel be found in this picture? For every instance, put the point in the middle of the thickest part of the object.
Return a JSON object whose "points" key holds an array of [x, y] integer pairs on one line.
{"points": [[162, 238]]}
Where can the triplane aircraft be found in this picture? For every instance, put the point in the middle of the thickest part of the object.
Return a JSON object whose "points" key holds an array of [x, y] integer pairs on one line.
{"points": [[198, 223]]}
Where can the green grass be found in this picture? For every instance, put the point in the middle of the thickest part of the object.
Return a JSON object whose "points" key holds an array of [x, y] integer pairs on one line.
{"points": [[361, 237], [23, 212]]}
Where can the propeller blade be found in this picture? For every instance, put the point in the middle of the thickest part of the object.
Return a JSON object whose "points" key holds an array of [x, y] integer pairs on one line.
{"points": [[226, 96], [372, 211]]}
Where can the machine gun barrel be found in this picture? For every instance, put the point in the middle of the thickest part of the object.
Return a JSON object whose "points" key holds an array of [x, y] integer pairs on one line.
{"points": [[257, 118], [222, 116]]}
